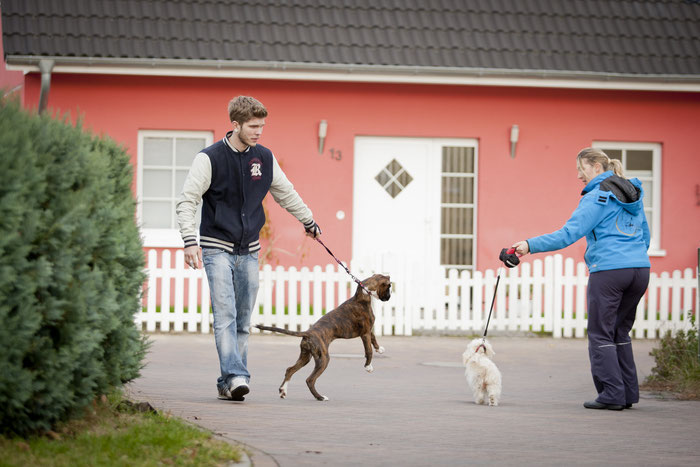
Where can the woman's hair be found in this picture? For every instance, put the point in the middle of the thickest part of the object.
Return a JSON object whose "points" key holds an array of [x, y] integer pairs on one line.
{"points": [[593, 155], [244, 108]]}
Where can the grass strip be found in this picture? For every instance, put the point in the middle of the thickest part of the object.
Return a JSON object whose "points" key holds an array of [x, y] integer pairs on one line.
{"points": [[115, 433]]}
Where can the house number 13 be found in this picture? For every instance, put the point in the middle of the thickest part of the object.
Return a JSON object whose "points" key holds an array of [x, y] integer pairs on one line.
{"points": [[336, 155]]}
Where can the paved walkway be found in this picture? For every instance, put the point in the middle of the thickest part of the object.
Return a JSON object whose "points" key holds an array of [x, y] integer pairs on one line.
{"points": [[415, 409]]}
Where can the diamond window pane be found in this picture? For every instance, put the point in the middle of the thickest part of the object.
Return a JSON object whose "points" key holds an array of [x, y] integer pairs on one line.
{"points": [[393, 167], [157, 151], [157, 215], [404, 178], [639, 160], [382, 177], [393, 178], [393, 189], [186, 149], [157, 183]]}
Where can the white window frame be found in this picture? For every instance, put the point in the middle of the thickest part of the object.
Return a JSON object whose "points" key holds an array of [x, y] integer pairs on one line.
{"points": [[655, 221], [161, 238], [462, 143]]}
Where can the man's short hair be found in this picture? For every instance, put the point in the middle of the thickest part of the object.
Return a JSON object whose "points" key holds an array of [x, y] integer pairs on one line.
{"points": [[244, 108]]}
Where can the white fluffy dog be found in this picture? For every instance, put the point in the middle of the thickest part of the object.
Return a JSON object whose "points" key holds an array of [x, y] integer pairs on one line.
{"points": [[482, 374]]}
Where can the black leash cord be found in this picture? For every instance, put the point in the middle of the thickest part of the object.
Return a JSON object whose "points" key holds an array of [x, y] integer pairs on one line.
{"points": [[346, 269], [498, 279]]}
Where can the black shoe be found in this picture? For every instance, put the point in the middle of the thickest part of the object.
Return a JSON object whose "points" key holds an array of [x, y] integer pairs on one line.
{"points": [[628, 406], [239, 391], [601, 406]]}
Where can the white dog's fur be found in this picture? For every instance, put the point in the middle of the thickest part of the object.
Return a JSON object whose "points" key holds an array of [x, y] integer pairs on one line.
{"points": [[482, 374]]}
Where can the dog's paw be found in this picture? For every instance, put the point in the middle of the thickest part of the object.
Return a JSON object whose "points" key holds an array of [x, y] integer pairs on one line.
{"points": [[322, 398], [380, 349], [369, 368], [283, 391]]}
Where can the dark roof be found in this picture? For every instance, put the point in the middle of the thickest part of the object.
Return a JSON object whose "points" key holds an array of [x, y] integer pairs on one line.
{"points": [[622, 37]]}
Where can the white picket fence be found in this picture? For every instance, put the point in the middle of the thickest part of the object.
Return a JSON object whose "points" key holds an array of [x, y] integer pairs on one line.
{"points": [[546, 295]]}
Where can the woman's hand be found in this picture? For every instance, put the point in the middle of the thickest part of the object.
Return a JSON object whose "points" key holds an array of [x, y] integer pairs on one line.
{"points": [[521, 248]]}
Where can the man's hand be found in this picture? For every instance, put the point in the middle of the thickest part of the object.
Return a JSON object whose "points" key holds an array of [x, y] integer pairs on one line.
{"points": [[193, 255], [313, 230]]}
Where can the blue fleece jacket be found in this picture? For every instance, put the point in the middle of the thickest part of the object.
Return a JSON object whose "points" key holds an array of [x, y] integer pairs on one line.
{"points": [[612, 219]]}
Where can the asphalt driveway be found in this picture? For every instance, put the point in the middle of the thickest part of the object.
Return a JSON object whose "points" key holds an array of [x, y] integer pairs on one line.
{"points": [[416, 409]]}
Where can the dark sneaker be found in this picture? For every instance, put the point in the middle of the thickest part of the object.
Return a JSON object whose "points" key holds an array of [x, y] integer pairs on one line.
{"points": [[601, 406]]}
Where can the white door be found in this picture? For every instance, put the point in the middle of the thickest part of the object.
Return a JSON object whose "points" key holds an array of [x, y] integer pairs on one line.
{"points": [[399, 194], [393, 207]]}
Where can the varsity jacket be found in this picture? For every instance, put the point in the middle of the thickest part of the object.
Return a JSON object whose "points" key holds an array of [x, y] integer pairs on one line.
{"points": [[611, 217], [231, 186]]}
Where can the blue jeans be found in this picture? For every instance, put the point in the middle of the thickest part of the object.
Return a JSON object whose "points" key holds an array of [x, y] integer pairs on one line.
{"points": [[233, 282]]}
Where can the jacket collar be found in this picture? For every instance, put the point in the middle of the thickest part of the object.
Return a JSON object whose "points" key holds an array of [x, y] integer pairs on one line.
{"points": [[228, 143], [596, 181]]}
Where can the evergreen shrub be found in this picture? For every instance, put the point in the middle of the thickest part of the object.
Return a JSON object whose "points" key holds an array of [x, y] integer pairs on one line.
{"points": [[71, 270], [677, 366]]}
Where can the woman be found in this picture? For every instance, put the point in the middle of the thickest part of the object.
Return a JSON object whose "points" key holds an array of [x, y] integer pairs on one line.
{"points": [[611, 217]]}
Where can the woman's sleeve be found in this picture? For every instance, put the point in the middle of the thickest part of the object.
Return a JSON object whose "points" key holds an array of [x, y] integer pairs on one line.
{"points": [[586, 216]]}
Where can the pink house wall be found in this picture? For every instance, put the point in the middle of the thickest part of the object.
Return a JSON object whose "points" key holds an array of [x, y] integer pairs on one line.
{"points": [[531, 194]]}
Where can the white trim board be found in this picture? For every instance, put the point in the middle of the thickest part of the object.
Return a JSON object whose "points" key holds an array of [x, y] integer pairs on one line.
{"points": [[349, 73]]}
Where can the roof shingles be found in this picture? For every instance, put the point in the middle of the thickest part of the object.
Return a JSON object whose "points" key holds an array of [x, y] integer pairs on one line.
{"points": [[614, 37]]}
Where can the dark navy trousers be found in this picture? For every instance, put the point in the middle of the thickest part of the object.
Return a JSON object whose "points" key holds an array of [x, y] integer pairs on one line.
{"points": [[612, 303]]}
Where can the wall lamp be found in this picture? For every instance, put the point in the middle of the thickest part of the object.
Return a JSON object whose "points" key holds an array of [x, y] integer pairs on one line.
{"points": [[322, 129], [514, 135]]}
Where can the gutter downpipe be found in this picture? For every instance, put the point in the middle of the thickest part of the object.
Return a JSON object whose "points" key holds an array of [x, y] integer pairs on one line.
{"points": [[45, 67]]}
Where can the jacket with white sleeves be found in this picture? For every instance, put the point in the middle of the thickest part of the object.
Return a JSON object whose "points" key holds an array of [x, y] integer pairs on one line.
{"points": [[611, 217], [231, 186]]}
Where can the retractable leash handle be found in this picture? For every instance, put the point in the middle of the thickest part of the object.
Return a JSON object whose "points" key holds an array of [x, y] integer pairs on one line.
{"points": [[509, 257]]}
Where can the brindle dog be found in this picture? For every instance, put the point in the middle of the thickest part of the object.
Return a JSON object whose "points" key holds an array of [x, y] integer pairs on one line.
{"points": [[354, 318]]}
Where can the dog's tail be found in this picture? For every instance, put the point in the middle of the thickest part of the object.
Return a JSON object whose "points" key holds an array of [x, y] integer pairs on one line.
{"points": [[280, 330]]}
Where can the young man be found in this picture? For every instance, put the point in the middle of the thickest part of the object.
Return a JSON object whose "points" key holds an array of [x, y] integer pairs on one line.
{"points": [[231, 178]]}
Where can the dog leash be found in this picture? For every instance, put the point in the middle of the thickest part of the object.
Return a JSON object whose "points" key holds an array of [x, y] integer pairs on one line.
{"points": [[346, 269], [510, 259], [493, 300]]}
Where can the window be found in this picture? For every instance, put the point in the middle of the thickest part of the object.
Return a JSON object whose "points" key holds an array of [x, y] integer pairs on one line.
{"points": [[164, 160], [457, 207], [643, 161]]}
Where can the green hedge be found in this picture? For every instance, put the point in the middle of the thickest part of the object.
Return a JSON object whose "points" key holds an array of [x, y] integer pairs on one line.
{"points": [[71, 270]]}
